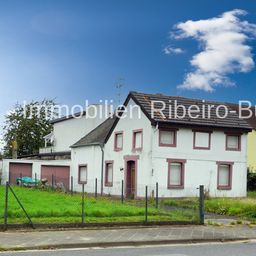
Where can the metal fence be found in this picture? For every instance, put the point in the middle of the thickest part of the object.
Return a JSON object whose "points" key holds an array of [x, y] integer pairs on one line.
{"points": [[85, 205]]}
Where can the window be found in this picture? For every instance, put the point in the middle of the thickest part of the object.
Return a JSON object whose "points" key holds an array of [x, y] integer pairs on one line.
{"points": [[233, 142], [118, 143], [109, 173], [202, 140], [137, 140], [176, 173], [224, 175], [167, 138], [82, 174]]}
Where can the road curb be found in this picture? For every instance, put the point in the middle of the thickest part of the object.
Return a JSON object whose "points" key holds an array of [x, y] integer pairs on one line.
{"points": [[123, 243]]}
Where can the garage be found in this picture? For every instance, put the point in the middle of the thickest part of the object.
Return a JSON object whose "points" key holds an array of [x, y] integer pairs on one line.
{"points": [[60, 174], [17, 170]]}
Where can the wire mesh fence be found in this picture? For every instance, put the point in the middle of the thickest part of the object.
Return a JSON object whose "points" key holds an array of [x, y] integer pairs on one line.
{"points": [[90, 202]]}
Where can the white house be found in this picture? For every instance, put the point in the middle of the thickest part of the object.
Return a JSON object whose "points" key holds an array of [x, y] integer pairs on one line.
{"points": [[54, 161], [145, 144], [178, 154]]}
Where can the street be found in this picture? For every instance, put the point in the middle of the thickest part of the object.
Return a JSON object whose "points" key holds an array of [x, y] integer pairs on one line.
{"points": [[220, 249]]}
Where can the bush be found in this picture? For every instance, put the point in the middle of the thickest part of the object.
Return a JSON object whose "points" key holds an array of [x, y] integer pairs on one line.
{"points": [[251, 181]]}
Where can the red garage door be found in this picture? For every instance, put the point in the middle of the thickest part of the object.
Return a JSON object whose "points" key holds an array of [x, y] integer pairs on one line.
{"points": [[19, 169], [60, 174]]}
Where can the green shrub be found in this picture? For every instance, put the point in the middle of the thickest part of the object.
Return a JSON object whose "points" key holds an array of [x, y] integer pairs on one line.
{"points": [[251, 181]]}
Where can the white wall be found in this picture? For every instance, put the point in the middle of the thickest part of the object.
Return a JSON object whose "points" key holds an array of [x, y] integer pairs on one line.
{"points": [[201, 167], [68, 132], [127, 125], [91, 156]]}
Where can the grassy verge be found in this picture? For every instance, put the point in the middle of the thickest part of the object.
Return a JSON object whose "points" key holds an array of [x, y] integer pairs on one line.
{"points": [[56, 207], [244, 208]]}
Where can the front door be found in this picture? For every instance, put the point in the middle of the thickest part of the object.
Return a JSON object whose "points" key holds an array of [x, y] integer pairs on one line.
{"points": [[130, 179]]}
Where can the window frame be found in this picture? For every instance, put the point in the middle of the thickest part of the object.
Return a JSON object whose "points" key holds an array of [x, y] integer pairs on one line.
{"points": [[79, 173], [209, 139], [115, 141], [239, 135], [230, 178], [174, 144], [134, 139], [182, 174], [109, 184]]}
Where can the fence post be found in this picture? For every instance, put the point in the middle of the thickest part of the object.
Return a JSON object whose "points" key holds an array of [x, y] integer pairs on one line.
{"points": [[72, 184], [146, 205], [6, 206], [201, 204], [157, 195], [83, 204], [96, 187], [122, 195]]}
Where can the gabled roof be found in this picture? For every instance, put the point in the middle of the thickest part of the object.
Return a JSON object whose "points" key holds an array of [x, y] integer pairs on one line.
{"points": [[64, 118], [98, 136], [252, 120], [101, 134], [144, 100]]}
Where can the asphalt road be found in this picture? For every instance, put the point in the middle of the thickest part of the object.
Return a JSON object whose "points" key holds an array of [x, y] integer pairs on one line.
{"points": [[227, 249]]}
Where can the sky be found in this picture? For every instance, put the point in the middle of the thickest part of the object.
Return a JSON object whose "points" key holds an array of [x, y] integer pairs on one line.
{"points": [[79, 50]]}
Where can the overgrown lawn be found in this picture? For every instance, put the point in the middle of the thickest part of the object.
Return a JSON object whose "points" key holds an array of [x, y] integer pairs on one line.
{"points": [[55, 207], [241, 207]]}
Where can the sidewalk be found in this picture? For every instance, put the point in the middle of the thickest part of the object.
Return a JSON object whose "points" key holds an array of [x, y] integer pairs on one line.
{"points": [[13, 240]]}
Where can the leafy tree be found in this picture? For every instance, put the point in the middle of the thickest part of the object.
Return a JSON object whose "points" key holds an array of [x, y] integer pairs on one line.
{"points": [[25, 127]]}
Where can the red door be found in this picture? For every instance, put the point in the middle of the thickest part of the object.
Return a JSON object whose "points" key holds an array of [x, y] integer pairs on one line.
{"points": [[17, 170], [130, 179], [60, 174]]}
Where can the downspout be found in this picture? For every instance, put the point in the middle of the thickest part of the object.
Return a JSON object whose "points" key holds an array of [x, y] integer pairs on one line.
{"points": [[102, 168]]}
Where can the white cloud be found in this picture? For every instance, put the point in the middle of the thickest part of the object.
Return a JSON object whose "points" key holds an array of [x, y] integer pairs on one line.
{"points": [[171, 50], [224, 50]]}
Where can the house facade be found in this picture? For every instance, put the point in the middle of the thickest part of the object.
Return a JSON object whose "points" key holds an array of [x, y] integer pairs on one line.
{"points": [[138, 149], [179, 155]]}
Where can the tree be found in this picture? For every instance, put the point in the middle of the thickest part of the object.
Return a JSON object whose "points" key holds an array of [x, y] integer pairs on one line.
{"points": [[25, 127]]}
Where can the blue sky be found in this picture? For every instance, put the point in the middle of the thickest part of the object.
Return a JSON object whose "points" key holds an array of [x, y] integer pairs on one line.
{"points": [[77, 50]]}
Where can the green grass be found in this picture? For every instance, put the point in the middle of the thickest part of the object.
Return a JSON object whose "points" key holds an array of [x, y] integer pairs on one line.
{"points": [[56, 207], [241, 207]]}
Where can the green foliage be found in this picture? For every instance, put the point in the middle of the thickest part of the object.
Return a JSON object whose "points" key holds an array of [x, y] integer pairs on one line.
{"points": [[241, 207], [26, 126], [251, 181]]}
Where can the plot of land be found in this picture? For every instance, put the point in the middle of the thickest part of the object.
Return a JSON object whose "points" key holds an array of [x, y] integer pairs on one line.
{"points": [[56, 207]]}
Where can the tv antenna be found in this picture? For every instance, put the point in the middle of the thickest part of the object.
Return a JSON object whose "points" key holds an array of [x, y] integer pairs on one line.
{"points": [[119, 86]]}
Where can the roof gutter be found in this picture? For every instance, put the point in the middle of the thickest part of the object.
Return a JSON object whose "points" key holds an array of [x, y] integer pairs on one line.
{"points": [[102, 168]]}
